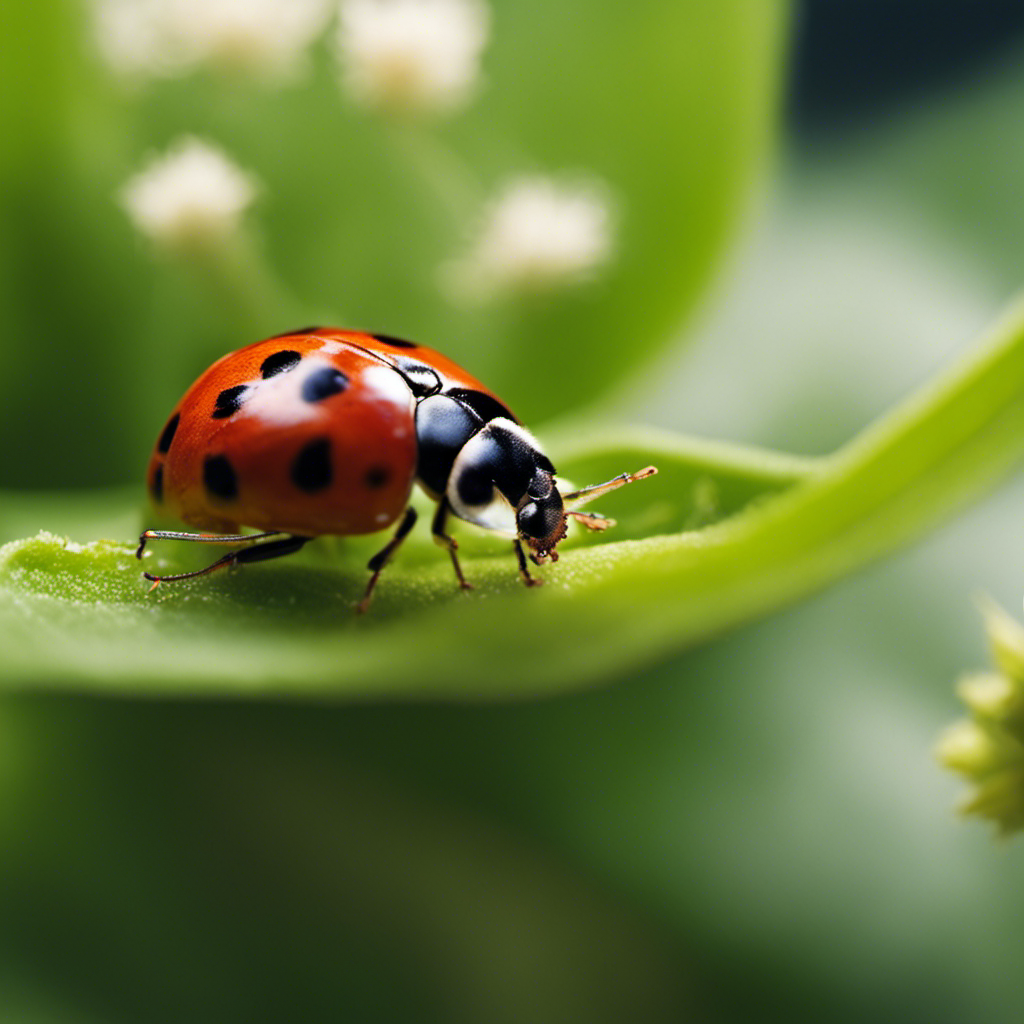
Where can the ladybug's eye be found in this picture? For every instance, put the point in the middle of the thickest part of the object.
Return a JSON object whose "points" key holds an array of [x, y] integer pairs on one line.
{"points": [[531, 519], [542, 520]]}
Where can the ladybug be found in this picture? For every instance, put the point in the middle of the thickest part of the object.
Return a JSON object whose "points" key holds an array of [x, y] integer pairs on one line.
{"points": [[325, 431]]}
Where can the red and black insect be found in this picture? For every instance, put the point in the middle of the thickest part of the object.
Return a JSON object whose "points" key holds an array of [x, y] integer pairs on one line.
{"points": [[325, 431]]}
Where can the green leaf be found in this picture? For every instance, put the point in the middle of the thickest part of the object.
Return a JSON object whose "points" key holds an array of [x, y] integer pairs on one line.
{"points": [[779, 529], [81, 611]]}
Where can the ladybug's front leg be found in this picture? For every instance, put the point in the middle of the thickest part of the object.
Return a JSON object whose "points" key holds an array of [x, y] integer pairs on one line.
{"points": [[530, 581], [447, 542]]}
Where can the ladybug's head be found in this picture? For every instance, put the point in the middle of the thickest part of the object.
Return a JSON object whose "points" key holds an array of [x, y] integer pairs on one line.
{"points": [[541, 518], [500, 472], [501, 480]]}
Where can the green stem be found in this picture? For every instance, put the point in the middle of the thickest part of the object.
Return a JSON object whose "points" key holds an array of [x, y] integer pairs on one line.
{"points": [[449, 179], [240, 281]]}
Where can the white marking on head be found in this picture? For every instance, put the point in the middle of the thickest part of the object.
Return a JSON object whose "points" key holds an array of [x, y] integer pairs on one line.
{"points": [[511, 427], [494, 514]]}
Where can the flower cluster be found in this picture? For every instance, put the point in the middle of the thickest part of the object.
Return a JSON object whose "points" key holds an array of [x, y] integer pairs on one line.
{"points": [[987, 749], [536, 235], [412, 56], [190, 197], [397, 58], [169, 37]]}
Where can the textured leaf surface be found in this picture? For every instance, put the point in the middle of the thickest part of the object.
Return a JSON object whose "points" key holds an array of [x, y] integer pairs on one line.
{"points": [[78, 612]]}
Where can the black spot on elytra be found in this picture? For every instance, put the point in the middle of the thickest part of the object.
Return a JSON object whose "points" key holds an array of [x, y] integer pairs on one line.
{"points": [[280, 362], [229, 401], [377, 477], [311, 470], [298, 330], [420, 377], [487, 407], [219, 477], [323, 383], [164, 444], [156, 488], [387, 339]]}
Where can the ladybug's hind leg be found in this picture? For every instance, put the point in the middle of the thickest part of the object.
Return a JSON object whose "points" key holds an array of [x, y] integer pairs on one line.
{"points": [[379, 560], [256, 553], [200, 538]]}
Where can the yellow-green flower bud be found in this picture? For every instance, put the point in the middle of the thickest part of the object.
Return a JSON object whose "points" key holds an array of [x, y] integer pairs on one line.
{"points": [[1006, 639], [999, 798], [973, 750], [993, 696]]}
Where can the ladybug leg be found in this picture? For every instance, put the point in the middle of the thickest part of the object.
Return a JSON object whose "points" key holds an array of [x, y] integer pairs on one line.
{"points": [[200, 538], [530, 581], [447, 542], [257, 553], [592, 520], [379, 560]]}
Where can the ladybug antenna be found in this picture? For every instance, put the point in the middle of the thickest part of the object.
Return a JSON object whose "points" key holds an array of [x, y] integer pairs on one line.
{"points": [[588, 494]]}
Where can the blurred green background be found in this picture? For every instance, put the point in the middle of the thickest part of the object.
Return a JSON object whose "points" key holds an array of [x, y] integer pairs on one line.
{"points": [[818, 206]]}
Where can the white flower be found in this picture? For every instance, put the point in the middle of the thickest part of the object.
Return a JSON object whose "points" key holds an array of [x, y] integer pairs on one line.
{"points": [[132, 37], [412, 55], [537, 235], [261, 36], [161, 37], [191, 196]]}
